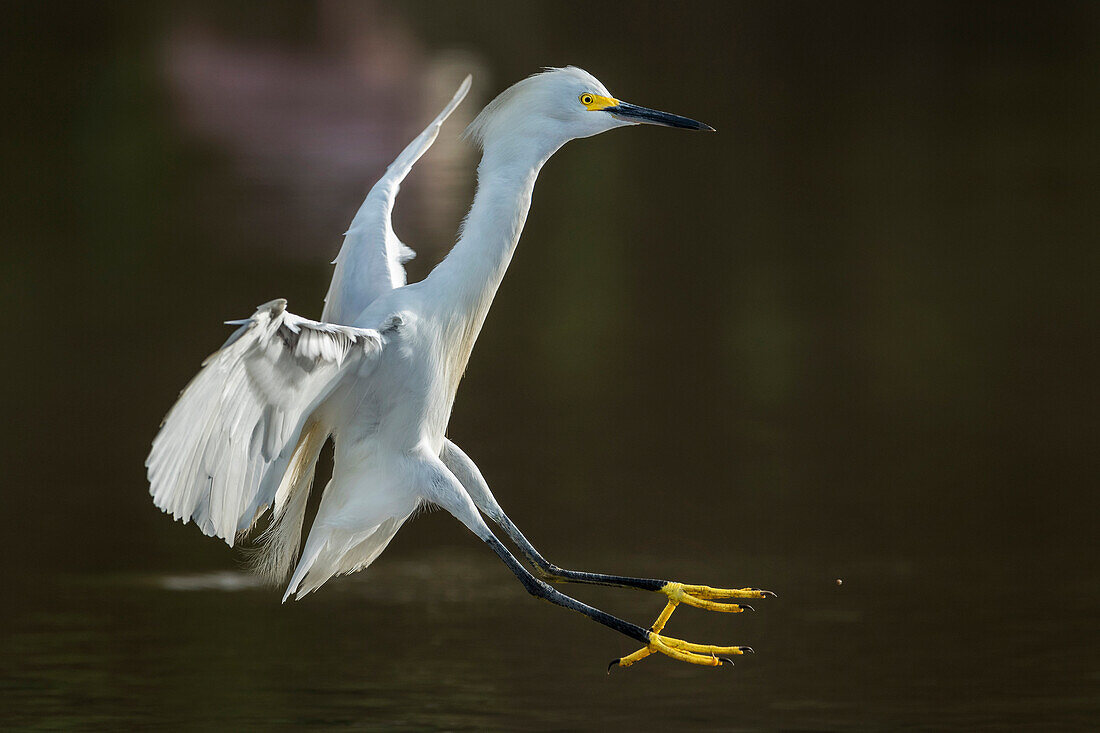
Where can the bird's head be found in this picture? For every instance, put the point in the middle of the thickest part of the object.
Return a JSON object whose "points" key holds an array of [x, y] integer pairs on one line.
{"points": [[547, 110]]}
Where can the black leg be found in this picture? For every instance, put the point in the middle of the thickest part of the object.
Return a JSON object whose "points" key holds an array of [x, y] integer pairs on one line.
{"points": [[465, 508], [699, 596], [701, 654], [540, 589], [548, 571], [471, 479]]}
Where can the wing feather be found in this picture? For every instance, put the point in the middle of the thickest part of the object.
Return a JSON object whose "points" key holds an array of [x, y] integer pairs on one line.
{"points": [[222, 449], [371, 262]]}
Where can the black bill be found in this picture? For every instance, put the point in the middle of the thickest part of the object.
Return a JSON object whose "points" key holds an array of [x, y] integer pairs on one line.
{"points": [[633, 113]]}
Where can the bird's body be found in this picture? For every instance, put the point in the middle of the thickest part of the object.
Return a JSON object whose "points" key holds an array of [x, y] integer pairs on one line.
{"points": [[379, 374], [387, 425]]}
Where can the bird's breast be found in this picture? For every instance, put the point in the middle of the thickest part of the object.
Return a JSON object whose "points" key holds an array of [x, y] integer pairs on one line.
{"points": [[407, 398]]}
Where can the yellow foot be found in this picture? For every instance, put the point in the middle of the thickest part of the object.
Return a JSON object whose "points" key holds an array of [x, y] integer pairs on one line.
{"points": [[700, 596], [706, 655], [703, 596]]}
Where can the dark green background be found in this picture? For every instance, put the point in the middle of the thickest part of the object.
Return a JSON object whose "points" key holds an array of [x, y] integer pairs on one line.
{"points": [[853, 335]]}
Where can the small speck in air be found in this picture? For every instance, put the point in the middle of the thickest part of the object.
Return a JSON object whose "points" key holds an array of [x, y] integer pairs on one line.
{"points": [[839, 581]]}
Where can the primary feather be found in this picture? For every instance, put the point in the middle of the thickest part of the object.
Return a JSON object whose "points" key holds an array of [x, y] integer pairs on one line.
{"points": [[222, 450]]}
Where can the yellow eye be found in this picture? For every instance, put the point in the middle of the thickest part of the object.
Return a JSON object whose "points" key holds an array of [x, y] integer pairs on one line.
{"points": [[595, 102]]}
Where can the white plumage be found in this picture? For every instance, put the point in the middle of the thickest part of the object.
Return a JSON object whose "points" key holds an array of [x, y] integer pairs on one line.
{"points": [[372, 259], [246, 432], [224, 446], [379, 372]]}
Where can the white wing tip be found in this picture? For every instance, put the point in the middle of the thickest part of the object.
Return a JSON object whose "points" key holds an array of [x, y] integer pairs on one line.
{"points": [[463, 90]]}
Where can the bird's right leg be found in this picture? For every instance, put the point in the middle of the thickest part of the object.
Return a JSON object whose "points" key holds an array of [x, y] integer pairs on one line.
{"points": [[445, 490], [700, 596]]}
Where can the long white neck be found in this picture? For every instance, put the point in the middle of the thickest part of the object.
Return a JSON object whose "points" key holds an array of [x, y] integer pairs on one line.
{"points": [[466, 281]]}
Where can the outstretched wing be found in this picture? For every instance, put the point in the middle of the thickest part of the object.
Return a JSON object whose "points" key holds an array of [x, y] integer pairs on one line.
{"points": [[371, 262], [224, 446]]}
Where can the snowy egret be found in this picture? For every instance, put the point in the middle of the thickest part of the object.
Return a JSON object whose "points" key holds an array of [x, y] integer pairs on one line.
{"points": [[378, 374]]}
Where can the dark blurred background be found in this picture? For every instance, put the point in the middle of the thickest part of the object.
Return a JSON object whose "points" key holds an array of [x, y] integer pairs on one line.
{"points": [[852, 337]]}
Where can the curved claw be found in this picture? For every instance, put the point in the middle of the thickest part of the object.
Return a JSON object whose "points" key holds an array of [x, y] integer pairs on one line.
{"points": [[664, 643], [706, 655], [704, 596], [700, 596]]}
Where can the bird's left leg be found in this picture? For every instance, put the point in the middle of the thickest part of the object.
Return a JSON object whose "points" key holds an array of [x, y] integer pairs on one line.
{"points": [[444, 489], [700, 596]]}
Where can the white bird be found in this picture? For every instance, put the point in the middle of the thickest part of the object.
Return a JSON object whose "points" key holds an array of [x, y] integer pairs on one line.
{"points": [[378, 374]]}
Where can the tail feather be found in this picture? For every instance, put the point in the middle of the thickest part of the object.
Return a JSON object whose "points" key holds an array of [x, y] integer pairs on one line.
{"points": [[334, 551], [278, 544]]}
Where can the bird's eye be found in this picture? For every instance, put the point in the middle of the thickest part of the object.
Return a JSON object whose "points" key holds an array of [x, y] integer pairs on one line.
{"points": [[586, 99]]}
